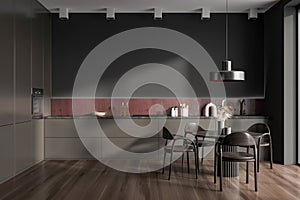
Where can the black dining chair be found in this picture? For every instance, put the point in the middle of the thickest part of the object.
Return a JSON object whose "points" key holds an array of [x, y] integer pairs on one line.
{"points": [[237, 139], [264, 140], [186, 146], [193, 128]]}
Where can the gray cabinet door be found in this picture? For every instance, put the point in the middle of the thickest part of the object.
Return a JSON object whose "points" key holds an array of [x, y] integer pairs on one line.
{"points": [[37, 47], [6, 152], [23, 144], [47, 64], [177, 126], [125, 128], [38, 140], [243, 124], [72, 148], [6, 62], [23, 61]]}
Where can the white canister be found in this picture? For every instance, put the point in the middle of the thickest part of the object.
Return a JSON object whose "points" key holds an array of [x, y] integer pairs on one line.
{"points": [[185, 112], [228, 130], [174, 112]]}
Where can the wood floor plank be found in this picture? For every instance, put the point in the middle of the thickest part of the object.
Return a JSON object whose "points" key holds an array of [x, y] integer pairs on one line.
{"points": [[89, 179]]}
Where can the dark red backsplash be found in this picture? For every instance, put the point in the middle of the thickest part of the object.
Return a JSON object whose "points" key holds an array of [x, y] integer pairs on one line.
{"points": [[140, 106]]}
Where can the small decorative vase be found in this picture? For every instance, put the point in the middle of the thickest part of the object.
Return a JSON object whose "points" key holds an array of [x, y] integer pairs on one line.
{"points": [[221, 125]]}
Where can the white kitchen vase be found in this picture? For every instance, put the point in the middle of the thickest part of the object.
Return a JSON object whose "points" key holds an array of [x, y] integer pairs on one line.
{"points": [[221, 125]]}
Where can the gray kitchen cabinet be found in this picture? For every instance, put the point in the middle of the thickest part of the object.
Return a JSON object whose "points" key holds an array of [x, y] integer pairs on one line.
{"points": [[38, 140], [56, 128], [244, 124], [127, 128], [23, 62], [129, 148], [23, 146], [37, 46], [65, 128], [71, 148], [47, 64], [6, 152], [63, 142], [135, 135], [177, 125], [6, 61]]}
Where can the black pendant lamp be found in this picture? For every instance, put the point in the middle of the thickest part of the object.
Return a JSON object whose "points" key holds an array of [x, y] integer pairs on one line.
{"points": [[227, 74]]}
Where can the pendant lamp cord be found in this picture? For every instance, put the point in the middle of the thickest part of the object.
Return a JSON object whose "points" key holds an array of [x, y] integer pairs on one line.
{"points": [[226, 31]]}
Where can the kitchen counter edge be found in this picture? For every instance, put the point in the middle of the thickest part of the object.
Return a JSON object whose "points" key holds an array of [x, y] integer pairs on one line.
{"points": [[154, 117]]}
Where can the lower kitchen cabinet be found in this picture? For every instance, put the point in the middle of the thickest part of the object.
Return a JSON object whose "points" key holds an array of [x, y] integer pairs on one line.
{"points": [[63, 142], [71, 148], [23, 146], [174, 126], [130, 148], [38, 140], [6, 152], [243, 124]]}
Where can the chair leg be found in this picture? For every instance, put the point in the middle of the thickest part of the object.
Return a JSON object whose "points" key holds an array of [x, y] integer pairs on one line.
{"points": [[215, 169], [196, 163], [163, 169], [198, 168], [202, 151], [247, 172], [188, 161], [258, 156], [247, 168], [221, 172], [271, 152], [170, 166], [182, 159], [255, 175]]}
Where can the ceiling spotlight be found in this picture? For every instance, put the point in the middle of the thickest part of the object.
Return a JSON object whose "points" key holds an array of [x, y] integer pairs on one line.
{"points": [[64, 13], [110, 13], [252, 13], [205, 14], [158, 13]]}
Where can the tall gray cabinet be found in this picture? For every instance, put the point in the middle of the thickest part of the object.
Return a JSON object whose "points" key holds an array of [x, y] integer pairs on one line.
{"points": [[6, 61], [22, 61]]}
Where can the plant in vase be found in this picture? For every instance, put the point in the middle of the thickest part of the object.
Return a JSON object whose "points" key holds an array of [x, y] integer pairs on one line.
{"points": [[223, 112]]}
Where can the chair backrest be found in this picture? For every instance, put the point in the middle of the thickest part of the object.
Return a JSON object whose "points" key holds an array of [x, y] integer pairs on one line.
{"points": [[167, 135], [241, 139], [259, 128], [193, 127]]}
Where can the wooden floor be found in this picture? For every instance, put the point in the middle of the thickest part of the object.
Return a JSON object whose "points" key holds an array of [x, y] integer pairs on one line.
{"points": [[88, 180]]}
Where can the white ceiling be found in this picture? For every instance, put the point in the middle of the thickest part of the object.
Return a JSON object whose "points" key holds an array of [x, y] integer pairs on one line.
{"points": [[168, 6]]}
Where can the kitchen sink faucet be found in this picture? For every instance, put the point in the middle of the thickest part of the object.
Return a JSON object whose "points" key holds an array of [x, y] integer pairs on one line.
{"points": [[242, 109]]}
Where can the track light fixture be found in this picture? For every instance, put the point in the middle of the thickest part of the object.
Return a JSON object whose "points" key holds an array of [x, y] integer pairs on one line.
{"points": [[110, 13], [158, 13], [205, 13], [252, 13], [64, 13]]}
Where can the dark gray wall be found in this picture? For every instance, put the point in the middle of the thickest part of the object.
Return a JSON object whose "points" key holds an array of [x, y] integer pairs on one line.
{"points": [[75, 38], [274, 62]]}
